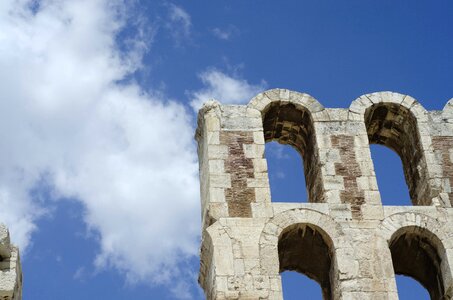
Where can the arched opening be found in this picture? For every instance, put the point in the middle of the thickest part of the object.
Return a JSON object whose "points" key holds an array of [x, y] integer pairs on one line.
{"points": [[295, 284], [409, 289], [306, 249], [290, 125], [286, 176], [415, 254], [390, 176], [395, 127]]}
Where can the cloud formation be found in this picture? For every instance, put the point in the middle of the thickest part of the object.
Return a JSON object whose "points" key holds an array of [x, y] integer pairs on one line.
{"points": [[225, 88], [225, 33], [180, 23], [70, 119]]}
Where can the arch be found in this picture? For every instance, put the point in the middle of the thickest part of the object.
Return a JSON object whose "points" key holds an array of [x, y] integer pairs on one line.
{"points": [[415, 254], [392, 120], [361, 104], [264, 99], [287, 119], [289, 233], [417, 245], [307, 249]]}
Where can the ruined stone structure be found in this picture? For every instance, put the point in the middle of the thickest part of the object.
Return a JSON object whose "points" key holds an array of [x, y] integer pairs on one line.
{"points": [[344, 238], [10, 269]]}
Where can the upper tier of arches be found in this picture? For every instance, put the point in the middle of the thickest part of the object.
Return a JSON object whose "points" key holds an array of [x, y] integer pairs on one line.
{"points": [[358, 106], [394, 120]]}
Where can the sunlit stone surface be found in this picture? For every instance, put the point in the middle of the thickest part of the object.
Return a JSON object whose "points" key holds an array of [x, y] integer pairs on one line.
{"points": [[10, 269], [343, 238]]}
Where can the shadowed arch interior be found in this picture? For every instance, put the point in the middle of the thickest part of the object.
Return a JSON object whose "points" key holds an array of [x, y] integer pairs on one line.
{"points": [[415, 254], [306, 249], [395, 126], [291, 125]]}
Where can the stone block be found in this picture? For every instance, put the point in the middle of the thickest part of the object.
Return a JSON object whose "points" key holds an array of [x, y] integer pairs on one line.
{"points": [[5, 249]]}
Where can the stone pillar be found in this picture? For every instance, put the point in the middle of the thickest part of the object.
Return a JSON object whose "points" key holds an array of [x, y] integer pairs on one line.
{"points": [[10, 269]]}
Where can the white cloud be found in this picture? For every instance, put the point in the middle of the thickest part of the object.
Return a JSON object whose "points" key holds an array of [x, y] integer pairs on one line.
{"points": [[67, 118], [180, 22], [225, 33], [225, 88], [80, 274]]}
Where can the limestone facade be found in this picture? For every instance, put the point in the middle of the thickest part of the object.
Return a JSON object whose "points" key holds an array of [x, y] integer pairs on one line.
{"points": [[10, 268], [344, 238]]}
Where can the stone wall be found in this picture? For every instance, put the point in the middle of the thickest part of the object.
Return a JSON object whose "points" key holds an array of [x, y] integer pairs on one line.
{"points": [[248, 240], [10, 268]]}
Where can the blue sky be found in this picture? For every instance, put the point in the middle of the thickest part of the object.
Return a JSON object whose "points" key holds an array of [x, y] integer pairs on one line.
{"points": [[102, 197]]}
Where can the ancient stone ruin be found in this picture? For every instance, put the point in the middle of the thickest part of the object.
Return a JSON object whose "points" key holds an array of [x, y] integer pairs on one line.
{"points": [[343, 238], [10, 269]]}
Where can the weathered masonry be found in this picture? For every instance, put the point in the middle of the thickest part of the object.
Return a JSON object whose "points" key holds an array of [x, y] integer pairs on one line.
{"points": [[343, 238], [10, 269]]}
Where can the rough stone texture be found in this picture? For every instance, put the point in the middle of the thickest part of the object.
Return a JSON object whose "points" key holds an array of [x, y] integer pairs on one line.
{"points": [[344, 238], [240, 167], [443, 146], [349, 169], [10, 269]]}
